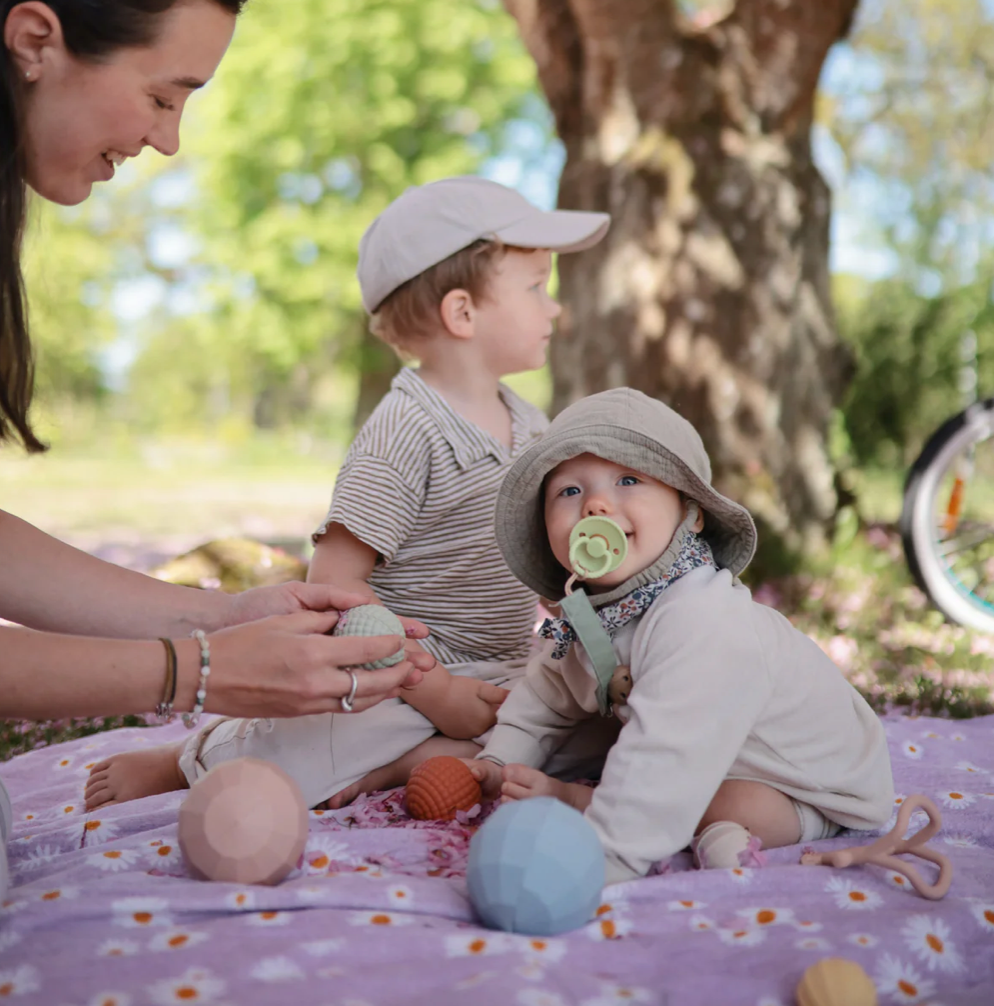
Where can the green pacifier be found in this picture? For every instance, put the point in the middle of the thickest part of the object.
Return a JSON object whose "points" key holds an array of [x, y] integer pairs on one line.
{"points": [[597, 546]]}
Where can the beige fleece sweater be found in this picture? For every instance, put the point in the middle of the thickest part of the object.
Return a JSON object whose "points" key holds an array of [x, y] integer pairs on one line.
{"points": [[723, 688]]}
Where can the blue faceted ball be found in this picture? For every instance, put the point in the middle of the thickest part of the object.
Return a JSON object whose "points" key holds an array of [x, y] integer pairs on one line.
{"points": [[537, 867]]}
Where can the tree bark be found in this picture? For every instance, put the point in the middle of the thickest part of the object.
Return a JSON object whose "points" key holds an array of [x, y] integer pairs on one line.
{"points": [[711, 290]]}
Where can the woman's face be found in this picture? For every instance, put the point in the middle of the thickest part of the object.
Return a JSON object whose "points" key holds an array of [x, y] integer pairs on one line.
{"points": [[83, 118]]}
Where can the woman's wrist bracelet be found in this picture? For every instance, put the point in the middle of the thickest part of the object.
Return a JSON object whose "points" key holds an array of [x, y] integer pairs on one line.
{"points": [[164, 710], [190, 720]]}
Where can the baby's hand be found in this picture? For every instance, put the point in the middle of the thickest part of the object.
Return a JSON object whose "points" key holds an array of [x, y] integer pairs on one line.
{"points": [[470, 708], [488, 774]]}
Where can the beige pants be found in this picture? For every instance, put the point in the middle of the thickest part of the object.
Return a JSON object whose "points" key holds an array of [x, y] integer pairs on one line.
{"points": [[326, 753]]}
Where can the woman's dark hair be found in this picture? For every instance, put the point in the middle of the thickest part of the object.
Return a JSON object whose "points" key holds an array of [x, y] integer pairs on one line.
{"points": [[92, 29]]}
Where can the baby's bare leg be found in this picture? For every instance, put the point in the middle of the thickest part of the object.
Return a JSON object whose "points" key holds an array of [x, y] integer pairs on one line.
{"points": [[134, 774], [522, 783], [398, 772], [765, 811]]}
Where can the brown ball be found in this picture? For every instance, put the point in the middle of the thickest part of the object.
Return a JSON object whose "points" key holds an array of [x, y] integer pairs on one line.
{"points": [[439, 787]]}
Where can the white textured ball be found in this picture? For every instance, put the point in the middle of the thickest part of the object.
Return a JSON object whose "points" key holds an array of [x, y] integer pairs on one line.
{"points": [[371, 620]]}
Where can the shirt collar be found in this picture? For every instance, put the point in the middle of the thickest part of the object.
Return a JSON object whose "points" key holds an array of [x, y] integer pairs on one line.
{"points": [[469, 443]]}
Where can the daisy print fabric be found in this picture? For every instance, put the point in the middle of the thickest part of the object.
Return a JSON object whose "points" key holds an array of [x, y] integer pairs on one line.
{"points": [[102, 908]]}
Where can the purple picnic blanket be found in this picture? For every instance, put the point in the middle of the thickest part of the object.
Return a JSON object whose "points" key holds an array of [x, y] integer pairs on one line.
{"points": [[102, 911]]}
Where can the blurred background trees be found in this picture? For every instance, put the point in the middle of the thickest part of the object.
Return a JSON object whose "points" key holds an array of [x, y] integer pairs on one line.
{"points": [[213, 296]]}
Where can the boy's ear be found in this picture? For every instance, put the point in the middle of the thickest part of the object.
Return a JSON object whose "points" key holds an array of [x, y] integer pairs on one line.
{"points": [[458, 313]]}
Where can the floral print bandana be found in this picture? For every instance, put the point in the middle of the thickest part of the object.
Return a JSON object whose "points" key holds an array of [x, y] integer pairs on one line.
{"points": [[695, 552]]}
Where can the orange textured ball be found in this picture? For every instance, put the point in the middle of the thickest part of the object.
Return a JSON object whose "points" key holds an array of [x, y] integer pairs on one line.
{"points": [[439, 787]]}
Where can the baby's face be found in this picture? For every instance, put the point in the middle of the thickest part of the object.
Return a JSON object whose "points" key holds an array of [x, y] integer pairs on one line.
{"points": [[647, 510]]}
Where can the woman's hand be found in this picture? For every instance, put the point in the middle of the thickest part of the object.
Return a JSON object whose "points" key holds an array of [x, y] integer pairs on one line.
{"points": [[288, 598], [287, 665]]}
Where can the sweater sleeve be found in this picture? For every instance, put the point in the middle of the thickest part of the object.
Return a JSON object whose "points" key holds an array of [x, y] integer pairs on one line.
{"points": [[700, 682], [539, 714]]}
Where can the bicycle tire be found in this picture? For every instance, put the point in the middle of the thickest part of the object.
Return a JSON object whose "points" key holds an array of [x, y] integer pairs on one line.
{"points": [[933, 575]]}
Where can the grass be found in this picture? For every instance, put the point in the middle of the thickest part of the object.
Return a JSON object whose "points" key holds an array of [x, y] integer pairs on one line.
{"points": [[157, 499]]}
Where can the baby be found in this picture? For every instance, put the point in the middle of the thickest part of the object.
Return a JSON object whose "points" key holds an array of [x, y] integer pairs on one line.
{"points": [[454, 275], [729, 715]]}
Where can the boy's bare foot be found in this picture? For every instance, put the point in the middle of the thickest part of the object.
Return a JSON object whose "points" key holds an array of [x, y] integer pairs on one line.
{"points": [[134, 774], [398, 772], [522, 782]]}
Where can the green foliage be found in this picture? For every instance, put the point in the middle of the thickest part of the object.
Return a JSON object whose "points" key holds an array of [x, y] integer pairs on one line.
{"points": [[909, 364], [322, 113]]}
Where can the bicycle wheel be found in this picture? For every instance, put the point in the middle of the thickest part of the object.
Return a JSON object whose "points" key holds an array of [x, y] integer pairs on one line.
{"points": [[947, 521]]}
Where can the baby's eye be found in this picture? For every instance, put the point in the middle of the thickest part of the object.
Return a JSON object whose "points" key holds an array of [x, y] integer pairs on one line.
{"points": [[628, 480], [161, 103], [568, 491]]}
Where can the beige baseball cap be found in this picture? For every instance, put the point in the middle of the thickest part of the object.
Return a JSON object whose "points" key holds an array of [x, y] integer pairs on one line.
{"points": [[428, 223]]}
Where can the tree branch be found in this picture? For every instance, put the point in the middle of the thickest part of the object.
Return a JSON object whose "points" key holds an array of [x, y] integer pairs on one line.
{"points": [[782, 45]]}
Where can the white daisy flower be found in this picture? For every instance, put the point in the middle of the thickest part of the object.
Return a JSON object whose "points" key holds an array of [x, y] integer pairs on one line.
{"points": [[955, 799], [540, 997], [744, 936], [113, 860], [400, 896], [813, 943], [766, 916], [912, 749], [848, 894], [39, 857], [196, 985], [97, 832], [476, 944], [269, 918], [276, 969], [608, 929], [322, 948], [165, 854], [140, 913], [19, 981], [542, 948], [984, 914], [685, 905], [322, 851], [110, 999], [474, 980], [63, 763], [960, 841], [899, 881], [531, 971], [702, 924], [59, 894], [929, 938], [968, 766], [310, 894], [807, 926], [741, 874], [240, 900], [178, 939], [864, 940], [957, 737], [900, 981], [118, 948], [380, 919], [614, 995]]}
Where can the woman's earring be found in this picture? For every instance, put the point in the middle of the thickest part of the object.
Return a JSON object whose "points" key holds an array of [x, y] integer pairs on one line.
{"points": [[27, 74]]}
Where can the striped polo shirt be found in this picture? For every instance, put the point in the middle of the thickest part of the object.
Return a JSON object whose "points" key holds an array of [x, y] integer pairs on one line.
{"points": [[419, 485]]}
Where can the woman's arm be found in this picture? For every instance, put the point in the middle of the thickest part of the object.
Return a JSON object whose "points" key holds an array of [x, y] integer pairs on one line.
{"points": [[283, 666], [47, 584]]}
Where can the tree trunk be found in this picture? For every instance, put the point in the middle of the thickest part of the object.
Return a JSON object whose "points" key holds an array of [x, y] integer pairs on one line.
{"points": [[378, 365], [711, 290]]}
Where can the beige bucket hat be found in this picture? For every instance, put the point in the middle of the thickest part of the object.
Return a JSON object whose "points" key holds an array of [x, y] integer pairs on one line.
{"points": [[629, 428], [428, 223]]}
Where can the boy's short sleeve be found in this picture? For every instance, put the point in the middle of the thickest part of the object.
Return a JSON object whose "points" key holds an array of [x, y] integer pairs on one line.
{"points": [[375, 502]]}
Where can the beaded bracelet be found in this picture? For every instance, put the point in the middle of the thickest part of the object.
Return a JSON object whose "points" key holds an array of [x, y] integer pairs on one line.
{"points": [[190, 720], [164, 710]]}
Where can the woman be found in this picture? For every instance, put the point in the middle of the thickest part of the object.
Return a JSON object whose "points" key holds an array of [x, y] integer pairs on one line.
{"points": [[85, 84]]}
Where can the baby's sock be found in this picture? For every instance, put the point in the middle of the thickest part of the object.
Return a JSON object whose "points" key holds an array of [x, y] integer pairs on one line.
{"points": [[725, 845]]}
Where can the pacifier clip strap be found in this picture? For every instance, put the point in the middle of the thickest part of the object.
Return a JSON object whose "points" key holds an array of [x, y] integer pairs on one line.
{"points": [[595, 640]]}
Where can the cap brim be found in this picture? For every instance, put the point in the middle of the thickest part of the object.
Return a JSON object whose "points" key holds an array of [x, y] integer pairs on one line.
{"points": [[557, 230]]}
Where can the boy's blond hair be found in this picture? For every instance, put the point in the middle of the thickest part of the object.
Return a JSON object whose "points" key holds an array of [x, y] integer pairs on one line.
{"points": [[410, 314]]}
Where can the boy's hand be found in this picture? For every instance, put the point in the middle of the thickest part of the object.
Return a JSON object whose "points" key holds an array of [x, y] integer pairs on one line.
{"points": [[488, 774]]}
